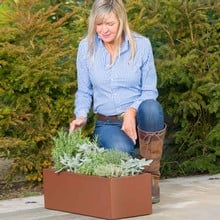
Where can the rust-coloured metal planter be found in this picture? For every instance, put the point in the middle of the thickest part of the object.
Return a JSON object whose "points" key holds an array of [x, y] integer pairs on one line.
{"points": [[108, 198]]}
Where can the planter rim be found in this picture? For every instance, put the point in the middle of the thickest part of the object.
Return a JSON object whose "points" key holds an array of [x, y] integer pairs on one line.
{"points": [[80, 174]]}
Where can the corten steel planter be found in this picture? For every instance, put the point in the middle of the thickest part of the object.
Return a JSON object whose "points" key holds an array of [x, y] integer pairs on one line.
{"points": [[108, 198]]}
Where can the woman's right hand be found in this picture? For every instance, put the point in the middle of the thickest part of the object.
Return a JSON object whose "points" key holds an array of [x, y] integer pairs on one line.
{"points": [[129, 124], [77, 123]]}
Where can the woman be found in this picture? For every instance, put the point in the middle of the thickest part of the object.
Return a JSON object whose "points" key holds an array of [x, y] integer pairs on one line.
{"points": [[116, 73]]}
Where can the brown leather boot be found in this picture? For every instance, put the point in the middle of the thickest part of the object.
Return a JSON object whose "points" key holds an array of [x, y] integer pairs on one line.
{"points": [[151, 147]]}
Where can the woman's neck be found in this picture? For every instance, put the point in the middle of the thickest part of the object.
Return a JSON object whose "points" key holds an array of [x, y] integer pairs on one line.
{"points": [[111, 48]]}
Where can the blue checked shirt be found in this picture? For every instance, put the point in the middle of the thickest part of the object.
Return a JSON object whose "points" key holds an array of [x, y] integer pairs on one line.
{"points": [[114, 88]]}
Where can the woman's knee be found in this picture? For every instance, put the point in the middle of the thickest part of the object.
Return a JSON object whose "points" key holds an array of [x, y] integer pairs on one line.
{"points": [[150, 116], [150, 107]]}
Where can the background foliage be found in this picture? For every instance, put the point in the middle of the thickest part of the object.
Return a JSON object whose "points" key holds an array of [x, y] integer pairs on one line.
{"points": [[38, 44], [185, 36]]}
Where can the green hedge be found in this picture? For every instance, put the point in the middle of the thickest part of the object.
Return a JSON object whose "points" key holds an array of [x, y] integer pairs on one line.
{"points": [[38, 44], [37, 74], [185, 37]]}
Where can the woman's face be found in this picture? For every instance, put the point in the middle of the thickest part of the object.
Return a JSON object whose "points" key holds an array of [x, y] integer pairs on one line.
{"points": [[107, 28]]}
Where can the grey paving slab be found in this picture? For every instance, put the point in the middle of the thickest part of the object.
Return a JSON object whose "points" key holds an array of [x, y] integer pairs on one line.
{"points": [[185, 198]]}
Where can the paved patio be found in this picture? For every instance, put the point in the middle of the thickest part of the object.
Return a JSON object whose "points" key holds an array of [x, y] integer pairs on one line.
{"points": [[183, 198]]}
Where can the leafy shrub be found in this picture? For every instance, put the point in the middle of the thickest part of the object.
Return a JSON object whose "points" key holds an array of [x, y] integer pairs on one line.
{"points": [[185, 39], [37, 75], [77, 154], [38, 44]]}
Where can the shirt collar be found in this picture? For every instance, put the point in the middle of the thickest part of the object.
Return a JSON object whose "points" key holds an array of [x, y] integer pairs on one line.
{"points": [[124, 46]]}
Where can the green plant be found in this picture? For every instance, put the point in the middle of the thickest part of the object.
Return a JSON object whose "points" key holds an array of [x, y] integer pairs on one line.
{"points": [[66, 146], [75, 153], [185, 40], [38, 44], [36, 82]]}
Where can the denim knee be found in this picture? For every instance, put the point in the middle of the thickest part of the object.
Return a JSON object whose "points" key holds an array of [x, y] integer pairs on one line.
{"points": [[150, 116]]}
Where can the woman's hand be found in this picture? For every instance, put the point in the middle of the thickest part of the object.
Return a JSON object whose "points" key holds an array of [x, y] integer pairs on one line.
{"points": [[129, 124], [77, 123]]}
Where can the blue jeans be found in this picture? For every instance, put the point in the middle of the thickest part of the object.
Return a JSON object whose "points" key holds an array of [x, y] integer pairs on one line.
{"points": [[110, 136]]}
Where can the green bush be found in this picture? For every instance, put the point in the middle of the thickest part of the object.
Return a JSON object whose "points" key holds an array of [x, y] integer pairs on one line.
{"points": [[37, 73], [185, 38], [38, 44], [76, 153]]}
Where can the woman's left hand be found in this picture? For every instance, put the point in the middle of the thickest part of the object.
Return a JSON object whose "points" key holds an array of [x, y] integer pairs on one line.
{"points": [[129, 124]]}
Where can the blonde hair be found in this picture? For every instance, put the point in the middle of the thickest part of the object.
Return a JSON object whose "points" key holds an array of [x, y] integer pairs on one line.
{"points": [[101, 9]]}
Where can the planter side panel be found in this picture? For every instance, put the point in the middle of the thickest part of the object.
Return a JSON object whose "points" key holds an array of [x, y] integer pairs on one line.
{"points": [[75, 193], [108, 198], [131, 196]]}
